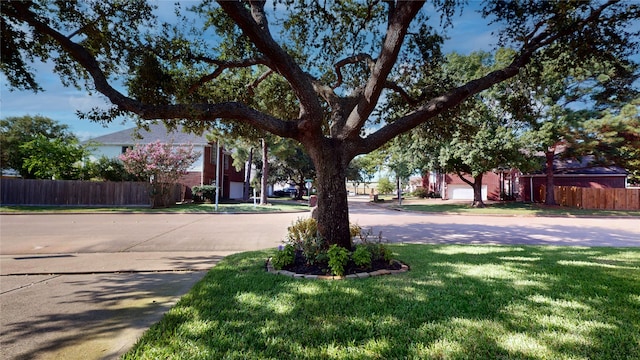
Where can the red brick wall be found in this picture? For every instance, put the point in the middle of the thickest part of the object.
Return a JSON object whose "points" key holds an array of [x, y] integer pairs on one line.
{"points": [[191, 179], [209, 168]]}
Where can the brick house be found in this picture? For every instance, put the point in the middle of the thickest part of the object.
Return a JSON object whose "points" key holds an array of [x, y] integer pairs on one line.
{"points": [[451, 187], [572, 172], [202, 172]]}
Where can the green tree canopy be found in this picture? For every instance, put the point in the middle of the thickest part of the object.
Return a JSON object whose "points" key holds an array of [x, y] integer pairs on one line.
{"points": [[57, 158], [337, 59], [614, 138], [18, 131]]}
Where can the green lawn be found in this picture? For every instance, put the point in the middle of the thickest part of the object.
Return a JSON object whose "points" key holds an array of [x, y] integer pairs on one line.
{"points": [[274, 206], [456, 302], [510, 208]]}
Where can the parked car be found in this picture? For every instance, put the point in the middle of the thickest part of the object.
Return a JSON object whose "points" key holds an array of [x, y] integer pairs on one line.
{"points": [[288, 192]]}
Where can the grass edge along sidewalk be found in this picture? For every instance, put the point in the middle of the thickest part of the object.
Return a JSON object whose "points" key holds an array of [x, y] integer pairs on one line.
{"points": [[501, 208], [274, 206], [456, 302]]}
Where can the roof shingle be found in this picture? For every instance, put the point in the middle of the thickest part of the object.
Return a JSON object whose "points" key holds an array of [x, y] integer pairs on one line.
{"points": [[156, 132]]}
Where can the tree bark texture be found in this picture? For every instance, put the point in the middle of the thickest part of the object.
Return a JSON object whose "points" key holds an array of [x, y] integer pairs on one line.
{"points": [[333, 210], [550, 198], [477, 189], [477, 192]]}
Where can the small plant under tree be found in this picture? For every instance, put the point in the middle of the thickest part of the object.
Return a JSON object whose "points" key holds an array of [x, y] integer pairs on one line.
{"points": [[305, 252]]}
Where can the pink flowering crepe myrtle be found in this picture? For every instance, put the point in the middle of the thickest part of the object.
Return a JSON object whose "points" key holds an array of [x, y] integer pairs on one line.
{"points": [[163, 164]]}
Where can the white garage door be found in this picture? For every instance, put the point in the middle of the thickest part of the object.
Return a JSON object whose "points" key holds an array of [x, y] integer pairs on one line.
{"points": [[464, 192], [236, 189]]}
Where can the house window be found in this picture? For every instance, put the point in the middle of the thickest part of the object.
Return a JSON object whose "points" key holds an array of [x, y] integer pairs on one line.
{"points": [[213, 156], [226, 162]]}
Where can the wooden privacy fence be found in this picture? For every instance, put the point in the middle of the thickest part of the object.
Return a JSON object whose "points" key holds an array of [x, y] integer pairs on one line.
{"points": [[76, 193], [592, 198]]}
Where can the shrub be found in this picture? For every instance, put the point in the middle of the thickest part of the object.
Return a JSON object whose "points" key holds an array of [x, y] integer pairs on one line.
{"points": [[434, 195], [385, 186], [338, 258], [207, 192], [361, 256], [420, 193], [376, 248], [379, 252], [284, 257], [302, 229], [303, 235], [354, 230]]}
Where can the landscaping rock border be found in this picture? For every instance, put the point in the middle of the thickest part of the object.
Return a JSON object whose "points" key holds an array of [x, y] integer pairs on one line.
{"points": [[403, 268]]}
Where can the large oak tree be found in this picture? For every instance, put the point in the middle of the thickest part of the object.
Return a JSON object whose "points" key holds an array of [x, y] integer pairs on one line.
{"points": [[337, 58]]}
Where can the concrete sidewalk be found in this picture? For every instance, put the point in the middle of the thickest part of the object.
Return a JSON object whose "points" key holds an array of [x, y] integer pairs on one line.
{"points": [[86, 286], [92, 316]]}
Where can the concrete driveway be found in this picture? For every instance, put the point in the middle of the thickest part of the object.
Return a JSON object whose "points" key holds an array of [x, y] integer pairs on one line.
{"points": [[87, 286]]}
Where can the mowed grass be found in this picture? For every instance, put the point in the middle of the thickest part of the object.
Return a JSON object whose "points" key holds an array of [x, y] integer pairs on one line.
{"points": [[456, 302], [512, 208], [274, 206]]}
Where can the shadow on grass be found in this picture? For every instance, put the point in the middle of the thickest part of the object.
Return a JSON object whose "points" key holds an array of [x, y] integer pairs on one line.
{"points": [[91, 311], [471, 302]]}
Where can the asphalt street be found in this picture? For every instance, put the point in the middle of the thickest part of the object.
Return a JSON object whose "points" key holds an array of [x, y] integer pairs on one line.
{"points": [[86, 286]]}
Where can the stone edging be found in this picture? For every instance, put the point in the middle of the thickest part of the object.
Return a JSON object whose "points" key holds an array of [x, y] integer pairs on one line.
{"points": [[404, 268]]}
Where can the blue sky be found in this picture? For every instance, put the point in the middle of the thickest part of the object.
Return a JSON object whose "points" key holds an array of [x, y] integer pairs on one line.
{"points": [[469, 33]]}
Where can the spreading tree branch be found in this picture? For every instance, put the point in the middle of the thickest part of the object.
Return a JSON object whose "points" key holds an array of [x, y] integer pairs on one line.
{"points": [[254, 26], [397, 28], [457, 95], [200, 112], [222, 66], [257, 81], [352, 60], [405, 96]]}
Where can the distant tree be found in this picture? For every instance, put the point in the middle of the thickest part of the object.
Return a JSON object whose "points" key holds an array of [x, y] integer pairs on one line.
{"points": [[53, 158], [161, 164], [354, 173], [364, 168], [17, 131], [614, 138], [112, 169], [479, 136], [555, 103], [385, 186], [291, 163]]}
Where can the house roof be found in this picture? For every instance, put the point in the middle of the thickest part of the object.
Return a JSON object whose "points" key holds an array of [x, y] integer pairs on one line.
{"points": [[156, 132], [584, 166]]}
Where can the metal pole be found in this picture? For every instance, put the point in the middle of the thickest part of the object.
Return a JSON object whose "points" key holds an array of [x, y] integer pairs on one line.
{"points": [[217, 173]]}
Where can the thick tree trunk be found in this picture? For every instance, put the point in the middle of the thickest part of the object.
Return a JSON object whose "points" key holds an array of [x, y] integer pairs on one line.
{"points": [[550, 198], [300, 186], [477, 189], [247, 177], [333, 211], [399, 190], [477, 192], [265, 173]]}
